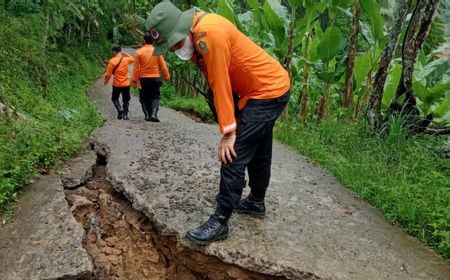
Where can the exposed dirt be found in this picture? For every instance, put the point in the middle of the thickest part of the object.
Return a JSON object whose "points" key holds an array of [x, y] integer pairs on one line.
{"points": [[195, 116], [123, 243]]}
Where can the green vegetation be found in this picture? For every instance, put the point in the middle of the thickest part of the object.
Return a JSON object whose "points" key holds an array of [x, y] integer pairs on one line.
{"points": [[196, 105], [50, 52], [47, 116], [404, 177], [331, 48]]}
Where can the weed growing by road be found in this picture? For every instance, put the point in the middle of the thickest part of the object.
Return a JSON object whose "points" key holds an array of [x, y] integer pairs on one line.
{"points": [[403, 176]]}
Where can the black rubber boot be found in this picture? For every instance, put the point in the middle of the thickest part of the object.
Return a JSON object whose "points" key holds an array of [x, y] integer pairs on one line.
{"points": [[256, 209], [125, 116], [154, 115], [215, 229], [120, 115], [146, 114]]}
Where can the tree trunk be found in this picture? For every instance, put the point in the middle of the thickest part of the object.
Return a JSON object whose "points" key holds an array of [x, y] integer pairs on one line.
{"points": [[288, 61], [304, 101], [418, 30], [348, 88], [89, 33], [321, 111], [363, 100], [324, 103], [374, 110], [438, 131]]}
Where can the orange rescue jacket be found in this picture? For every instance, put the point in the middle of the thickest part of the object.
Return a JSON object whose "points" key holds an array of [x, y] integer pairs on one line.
{"points": [[234, 63], [148, 66], [121, 78]]}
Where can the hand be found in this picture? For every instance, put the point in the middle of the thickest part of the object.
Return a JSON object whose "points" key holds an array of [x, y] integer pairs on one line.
{"points": [[226, 148], [134, 84]]}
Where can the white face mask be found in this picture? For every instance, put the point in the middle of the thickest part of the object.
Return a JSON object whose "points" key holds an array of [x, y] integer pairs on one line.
{"points": [[187, 50]]}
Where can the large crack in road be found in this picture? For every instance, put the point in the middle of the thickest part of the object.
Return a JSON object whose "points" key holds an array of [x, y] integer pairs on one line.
{"points": [[160, 180], [124, 244]]}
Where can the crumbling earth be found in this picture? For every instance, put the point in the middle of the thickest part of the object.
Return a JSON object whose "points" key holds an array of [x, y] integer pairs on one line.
{"points": [[123, 243]]}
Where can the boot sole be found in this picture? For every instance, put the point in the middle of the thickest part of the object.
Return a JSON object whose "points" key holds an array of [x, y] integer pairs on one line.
{"points": [[200, 242], [257, 215]]}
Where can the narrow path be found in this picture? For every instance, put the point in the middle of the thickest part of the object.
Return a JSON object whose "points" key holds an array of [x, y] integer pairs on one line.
{"points": [[314, 226], [153, 181]]}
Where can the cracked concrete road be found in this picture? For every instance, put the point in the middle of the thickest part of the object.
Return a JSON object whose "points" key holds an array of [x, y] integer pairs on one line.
{"points": [[314, 229], [44, 241], [314, 226]]}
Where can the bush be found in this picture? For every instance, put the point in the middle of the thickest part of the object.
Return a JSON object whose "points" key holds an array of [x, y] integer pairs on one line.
{"points": [[47, 88]]}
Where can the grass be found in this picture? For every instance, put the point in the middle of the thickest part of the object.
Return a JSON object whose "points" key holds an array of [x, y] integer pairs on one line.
{"points": [[195, 105], [47, 89], [404, 177]]}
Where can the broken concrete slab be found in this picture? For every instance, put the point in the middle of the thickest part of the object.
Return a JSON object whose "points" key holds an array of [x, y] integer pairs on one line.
{"points": [[44, 241], [314, 229]]}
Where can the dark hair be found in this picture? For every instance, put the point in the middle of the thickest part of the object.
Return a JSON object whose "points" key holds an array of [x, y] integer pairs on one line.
{"points": [[116, 48], [148, 38]]}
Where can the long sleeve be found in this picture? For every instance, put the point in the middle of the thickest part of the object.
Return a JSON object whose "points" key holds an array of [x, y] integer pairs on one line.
{"points": [[108, 72], [163, 67], [130, 59], [215, 49], [136, 69]]}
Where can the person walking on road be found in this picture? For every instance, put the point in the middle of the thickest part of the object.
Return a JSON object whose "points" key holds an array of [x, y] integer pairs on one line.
{"points": [[146, 73], [118, 67], [237, 70]]}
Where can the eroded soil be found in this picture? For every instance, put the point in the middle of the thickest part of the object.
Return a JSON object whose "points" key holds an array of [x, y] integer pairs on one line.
{"points": [[123, 243]]}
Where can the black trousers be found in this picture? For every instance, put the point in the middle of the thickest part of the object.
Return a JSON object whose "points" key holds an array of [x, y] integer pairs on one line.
{"points": [[253, 148], [149, 94], [125, 91]]}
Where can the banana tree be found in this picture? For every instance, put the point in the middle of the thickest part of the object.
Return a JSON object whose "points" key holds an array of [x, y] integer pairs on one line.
{"points": [[418, 29], [431, 85], [326, 53], [373, 111], [373, 34], [347, 100]]}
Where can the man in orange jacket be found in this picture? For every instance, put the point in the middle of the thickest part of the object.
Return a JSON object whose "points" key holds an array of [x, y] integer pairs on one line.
{"points": [[232, 64], [118, 66], [146, 73]]}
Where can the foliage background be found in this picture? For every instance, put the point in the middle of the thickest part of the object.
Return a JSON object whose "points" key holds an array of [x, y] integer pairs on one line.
{"points": [[50, 50]]}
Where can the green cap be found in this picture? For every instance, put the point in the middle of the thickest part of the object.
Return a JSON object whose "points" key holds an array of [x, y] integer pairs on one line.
{"points": [[168, 25]]}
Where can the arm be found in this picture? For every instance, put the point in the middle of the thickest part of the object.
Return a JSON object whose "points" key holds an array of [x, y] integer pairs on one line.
{"points": [[163, 67], [136, 72], [215, 50], [108, 73], [130, 58]]}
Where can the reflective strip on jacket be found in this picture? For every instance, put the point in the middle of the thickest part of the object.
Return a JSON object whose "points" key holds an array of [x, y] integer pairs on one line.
{"points": [[234, 63]]}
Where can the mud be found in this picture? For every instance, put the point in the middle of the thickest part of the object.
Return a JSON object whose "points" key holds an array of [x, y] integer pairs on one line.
{"points": [[124, 244]]}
